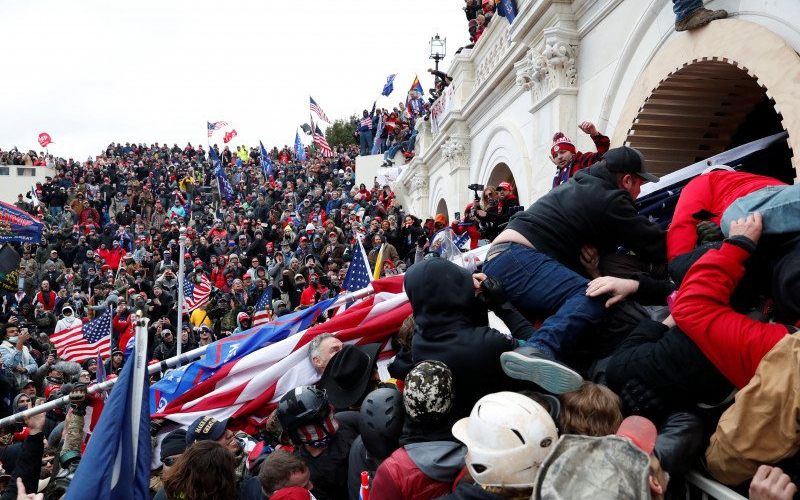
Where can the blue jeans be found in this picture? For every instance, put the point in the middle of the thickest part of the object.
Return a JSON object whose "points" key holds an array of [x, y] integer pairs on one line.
{"points": [[536, 283], [779, 207], [682, 8], [365, 142]]}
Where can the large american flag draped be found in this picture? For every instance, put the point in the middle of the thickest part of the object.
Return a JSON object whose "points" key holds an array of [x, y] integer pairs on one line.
{"points": [[261, 314], [213, 127], [196, 295], [320, 141], [358, 275], [83, 341], [249, 388], [317, 110]]}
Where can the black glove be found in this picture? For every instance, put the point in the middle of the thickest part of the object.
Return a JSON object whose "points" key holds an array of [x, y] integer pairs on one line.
{"points": [[422, 240], [639, 399], [492, 293], [707, 232]]}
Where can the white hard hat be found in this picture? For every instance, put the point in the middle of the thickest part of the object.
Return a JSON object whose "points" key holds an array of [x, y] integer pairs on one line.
{"points": [[508, 436]]}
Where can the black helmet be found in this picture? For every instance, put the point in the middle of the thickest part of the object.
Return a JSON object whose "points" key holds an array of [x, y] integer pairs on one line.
{"points": [[381, 422], [302, 406]]}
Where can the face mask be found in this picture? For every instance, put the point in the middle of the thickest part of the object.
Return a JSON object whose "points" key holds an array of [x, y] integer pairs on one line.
{"points": [[13, 340]]}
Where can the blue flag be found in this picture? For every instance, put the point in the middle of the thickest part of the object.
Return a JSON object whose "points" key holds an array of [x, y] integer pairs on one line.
{"points": [[176, 382], [507, 9], [299, 150], [116, 463], [18, 226], [266, 161], [389, 87], [225, 188]]}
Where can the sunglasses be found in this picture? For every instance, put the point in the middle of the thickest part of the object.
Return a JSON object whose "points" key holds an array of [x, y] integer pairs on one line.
{"points": [[169, 461]]}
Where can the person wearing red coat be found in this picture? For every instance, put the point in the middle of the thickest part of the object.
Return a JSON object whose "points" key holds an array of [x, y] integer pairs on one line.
{"points": [[761, 359], [112, 256], [705, 198], [89, 217], [309, 295], [568, 160], [468, 225]]}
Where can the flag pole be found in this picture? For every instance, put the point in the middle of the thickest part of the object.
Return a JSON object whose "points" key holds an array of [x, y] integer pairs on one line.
{"points": [[181, 279], [139, 379], [158, 367]]}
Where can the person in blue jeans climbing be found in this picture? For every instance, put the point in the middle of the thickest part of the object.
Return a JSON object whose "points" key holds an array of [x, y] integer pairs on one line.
{"points": [[537, 258], [690, 14]]}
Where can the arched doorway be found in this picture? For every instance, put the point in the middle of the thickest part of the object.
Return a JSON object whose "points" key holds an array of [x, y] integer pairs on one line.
{"points": [[501, 173], [702, 109], [441, 208]]}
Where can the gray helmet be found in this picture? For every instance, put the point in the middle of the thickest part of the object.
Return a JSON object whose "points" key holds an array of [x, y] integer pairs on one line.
{"points": [[381, 422]]}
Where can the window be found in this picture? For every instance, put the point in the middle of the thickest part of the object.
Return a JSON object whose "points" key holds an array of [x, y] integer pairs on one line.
{"points": [[5, 171], [26, 172]]}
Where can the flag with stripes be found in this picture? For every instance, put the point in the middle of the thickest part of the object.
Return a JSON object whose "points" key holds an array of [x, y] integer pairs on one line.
{"points": [[213, 127], [320, 141], [83, 341], [248, 389], [262, 314], [227, 350], [358, 275], [317, 110], [196, 295]]}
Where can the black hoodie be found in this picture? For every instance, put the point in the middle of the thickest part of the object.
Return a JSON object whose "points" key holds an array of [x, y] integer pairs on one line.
{"points": [[452, 327]]}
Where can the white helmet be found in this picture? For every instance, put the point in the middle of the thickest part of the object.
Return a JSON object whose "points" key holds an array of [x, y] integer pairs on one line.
{"points": [[508, 436]]}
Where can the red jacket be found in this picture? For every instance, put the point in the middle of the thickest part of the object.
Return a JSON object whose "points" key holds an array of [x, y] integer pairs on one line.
{"points": [[307, 297], [399, 478], [712, 192], [472, 229], [583, 160], [112, 256], [49, 301], [732, 341], [123, 329]]}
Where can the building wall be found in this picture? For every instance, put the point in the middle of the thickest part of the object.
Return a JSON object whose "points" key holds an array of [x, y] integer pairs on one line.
{"points": [[565, 61], [16, 179]]}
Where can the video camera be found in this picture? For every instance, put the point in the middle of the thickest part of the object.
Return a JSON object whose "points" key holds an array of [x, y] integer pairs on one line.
{"points": [[475, 188]]}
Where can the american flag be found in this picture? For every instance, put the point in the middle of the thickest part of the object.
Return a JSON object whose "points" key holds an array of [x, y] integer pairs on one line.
{"points": [[317, 110], [249, 388], [261, 314], [358, 275], [196, 295], [213, 127], [83, 341], [366, 122], [320, 141]]}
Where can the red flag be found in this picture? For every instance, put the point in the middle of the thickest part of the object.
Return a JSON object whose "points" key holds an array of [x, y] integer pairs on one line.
{"points": [[44, 139], [229, 135]]}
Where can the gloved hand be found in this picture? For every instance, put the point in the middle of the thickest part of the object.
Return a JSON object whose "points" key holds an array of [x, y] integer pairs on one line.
{"points": [[707, 232], [77, 399], [492, 293], [639, 399]]}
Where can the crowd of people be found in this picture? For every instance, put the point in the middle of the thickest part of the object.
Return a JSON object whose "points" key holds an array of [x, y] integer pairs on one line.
{"points": [[633, 352]]}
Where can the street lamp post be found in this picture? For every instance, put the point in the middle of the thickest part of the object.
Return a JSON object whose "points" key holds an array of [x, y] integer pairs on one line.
{"points": [[438, 50]]}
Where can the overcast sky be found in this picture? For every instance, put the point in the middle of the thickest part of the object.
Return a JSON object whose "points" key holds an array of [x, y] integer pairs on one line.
{"points": [[92, 72]]}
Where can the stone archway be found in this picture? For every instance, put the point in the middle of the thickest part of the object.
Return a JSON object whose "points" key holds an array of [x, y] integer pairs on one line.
{"points": [[441, 208], [702, 109], [734, 48], [502, 173]]}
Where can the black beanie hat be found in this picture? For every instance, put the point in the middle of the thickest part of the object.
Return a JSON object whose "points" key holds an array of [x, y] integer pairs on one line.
{"points": [[174, 443]]}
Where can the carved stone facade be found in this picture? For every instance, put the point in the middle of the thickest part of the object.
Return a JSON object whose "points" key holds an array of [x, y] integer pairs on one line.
{"points": [[493, 56], [419, 184], [456, 150], [550, 68]]}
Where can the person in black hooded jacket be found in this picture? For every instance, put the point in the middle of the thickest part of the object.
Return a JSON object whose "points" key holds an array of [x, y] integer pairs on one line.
{"points": [[452, 327]]}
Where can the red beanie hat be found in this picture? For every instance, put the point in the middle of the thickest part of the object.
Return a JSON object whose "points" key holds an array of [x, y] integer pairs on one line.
{"points": [[561, 143]]}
